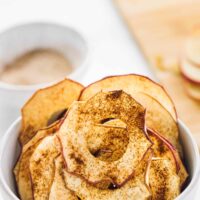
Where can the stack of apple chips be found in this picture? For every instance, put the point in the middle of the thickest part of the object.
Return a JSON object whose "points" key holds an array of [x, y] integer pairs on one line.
{"points": [[190, 66], [114, 139]]}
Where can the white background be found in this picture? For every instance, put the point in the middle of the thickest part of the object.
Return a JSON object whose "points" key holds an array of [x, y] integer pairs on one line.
{"points": [[113, 50]]}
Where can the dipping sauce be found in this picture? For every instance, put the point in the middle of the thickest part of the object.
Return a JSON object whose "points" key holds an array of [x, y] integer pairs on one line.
{"points": [[35, 67]]}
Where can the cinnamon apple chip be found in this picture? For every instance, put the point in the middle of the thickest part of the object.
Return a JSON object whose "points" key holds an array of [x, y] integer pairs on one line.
{"points": [[59, 191], [135, 189], [131, 83], [42, 168], [82, 118], [165, 150], [161, 114], [22, 172], [46, 105], [158, 118], [163, 180], [42, 133]]}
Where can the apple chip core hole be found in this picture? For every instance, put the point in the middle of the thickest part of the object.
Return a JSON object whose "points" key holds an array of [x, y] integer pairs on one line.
{"points": [[109, 141]]}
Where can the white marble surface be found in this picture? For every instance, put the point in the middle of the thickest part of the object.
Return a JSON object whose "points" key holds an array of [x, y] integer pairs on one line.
{"points": [[112, 49]]}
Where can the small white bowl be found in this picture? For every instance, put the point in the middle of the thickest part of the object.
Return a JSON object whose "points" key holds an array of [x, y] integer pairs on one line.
{"points": [[26, 37], [10, 151]]}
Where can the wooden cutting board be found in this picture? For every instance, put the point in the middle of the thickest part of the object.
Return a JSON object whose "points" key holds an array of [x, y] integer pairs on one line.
{"points": [[161, 28]]}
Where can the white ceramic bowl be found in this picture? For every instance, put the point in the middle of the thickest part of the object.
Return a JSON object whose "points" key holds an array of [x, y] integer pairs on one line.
{"points": [[10, 151], [18, 40]]}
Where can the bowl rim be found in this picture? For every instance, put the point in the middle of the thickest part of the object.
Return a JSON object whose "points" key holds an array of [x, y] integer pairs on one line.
{"points": [[75, 31], [189, 188], [196, 175]]}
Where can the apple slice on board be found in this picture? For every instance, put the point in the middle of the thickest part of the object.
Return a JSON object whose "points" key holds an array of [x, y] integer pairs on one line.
{"points": [[192, 49], [190, 71], [193, 90]]}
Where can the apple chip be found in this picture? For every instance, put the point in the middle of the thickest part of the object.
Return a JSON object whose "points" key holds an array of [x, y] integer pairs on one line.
{"points": [[161, 175], [42, 168], [163, 180], [24, 181], [22, 172], [47, 105], [165, 150], [81, 119], [134, 189], [42, 133], [58, 189], [130, 84], [158, 118]]}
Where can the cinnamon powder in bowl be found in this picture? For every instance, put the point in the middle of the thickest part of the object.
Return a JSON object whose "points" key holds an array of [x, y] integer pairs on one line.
{"points": [[35, 67]]}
